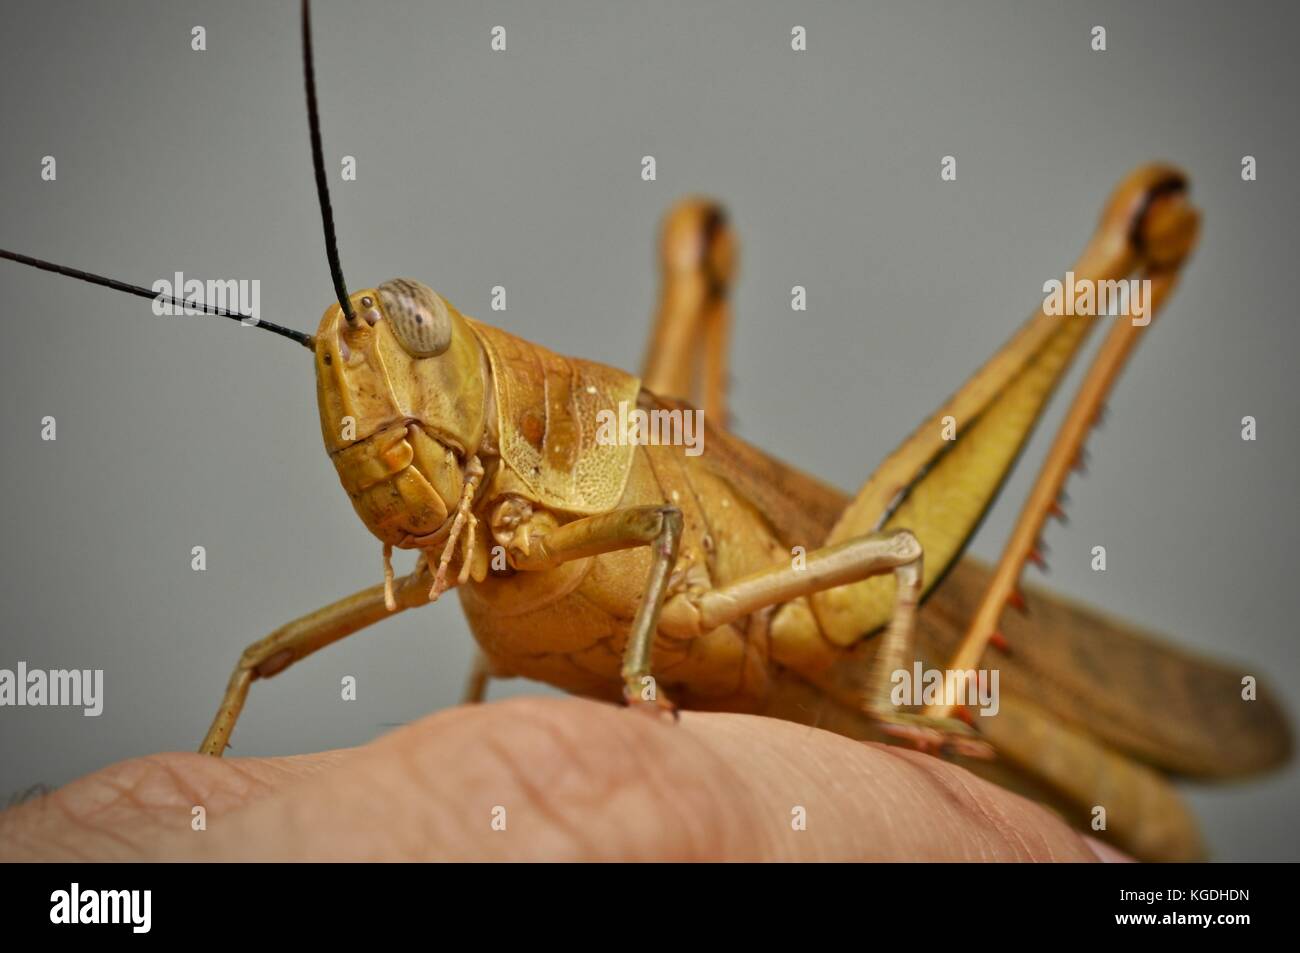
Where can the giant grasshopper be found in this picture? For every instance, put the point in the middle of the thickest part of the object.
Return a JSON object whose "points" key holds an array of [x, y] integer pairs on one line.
{"points": [[638, 573]]}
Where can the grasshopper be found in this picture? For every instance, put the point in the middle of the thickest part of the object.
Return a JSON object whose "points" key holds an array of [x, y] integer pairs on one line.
{"points": [[629, 570]]}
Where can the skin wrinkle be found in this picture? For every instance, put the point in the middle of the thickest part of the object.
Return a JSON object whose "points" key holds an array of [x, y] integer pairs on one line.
{"points": [[846, 778], [150, 788], [22, 838], [146, 783], [608, 784], [969, 796], [719, 831], [408, 770], [778, 787], [416, 779], [949, 803], [79, 848], [897, 795], [298, 820], [628, 774], [514, 742], [103, 817], [406, 791], [997, 820], [622, 757], [535, 797], [963, 805], [893, 798], [421, 764], [957, 809]]}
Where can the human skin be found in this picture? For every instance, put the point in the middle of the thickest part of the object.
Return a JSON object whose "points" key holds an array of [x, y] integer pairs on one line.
{"points": [[578, 780]]}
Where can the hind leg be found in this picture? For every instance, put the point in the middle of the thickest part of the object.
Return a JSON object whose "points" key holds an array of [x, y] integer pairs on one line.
{"points": [[1171, 219], [687, 354], [940, 482]]}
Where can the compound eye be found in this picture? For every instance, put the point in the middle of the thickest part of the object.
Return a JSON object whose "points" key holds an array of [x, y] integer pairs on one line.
{"points": [[418, 317]]}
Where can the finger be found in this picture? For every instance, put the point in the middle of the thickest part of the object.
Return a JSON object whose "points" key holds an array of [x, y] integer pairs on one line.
{"points": [[578, 780], [568, 779]]}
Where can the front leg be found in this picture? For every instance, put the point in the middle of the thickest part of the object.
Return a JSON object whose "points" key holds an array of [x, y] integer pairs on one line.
{"points": [[302, 637], [533, 542]]}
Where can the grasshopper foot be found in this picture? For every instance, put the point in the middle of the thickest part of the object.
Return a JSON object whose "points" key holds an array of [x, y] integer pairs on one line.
{"points": [[932, 735], [657, 705]]}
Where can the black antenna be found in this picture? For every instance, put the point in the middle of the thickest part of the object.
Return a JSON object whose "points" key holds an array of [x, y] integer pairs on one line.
{"points": [[327, 216], [304, 339], [318, 160]]}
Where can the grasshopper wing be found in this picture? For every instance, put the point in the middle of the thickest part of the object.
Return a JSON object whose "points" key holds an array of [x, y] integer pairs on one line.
{"points": [[1162, 704]]}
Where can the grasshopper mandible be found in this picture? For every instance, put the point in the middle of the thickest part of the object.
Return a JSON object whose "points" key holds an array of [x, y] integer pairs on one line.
{"points": [[639, 573]]}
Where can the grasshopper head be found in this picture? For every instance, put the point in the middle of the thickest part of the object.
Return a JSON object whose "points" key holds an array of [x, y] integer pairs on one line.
{"points": [[402, 392]]}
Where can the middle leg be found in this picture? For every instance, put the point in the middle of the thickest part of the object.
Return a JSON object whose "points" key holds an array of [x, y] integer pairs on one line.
{"points": [[897, 552]]}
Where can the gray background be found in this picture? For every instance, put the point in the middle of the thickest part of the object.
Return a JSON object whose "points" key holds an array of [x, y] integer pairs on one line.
{"points": [[522, 169]]}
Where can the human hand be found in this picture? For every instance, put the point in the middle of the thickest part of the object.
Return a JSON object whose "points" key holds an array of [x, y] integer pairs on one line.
{"points": [[578, 780]]}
